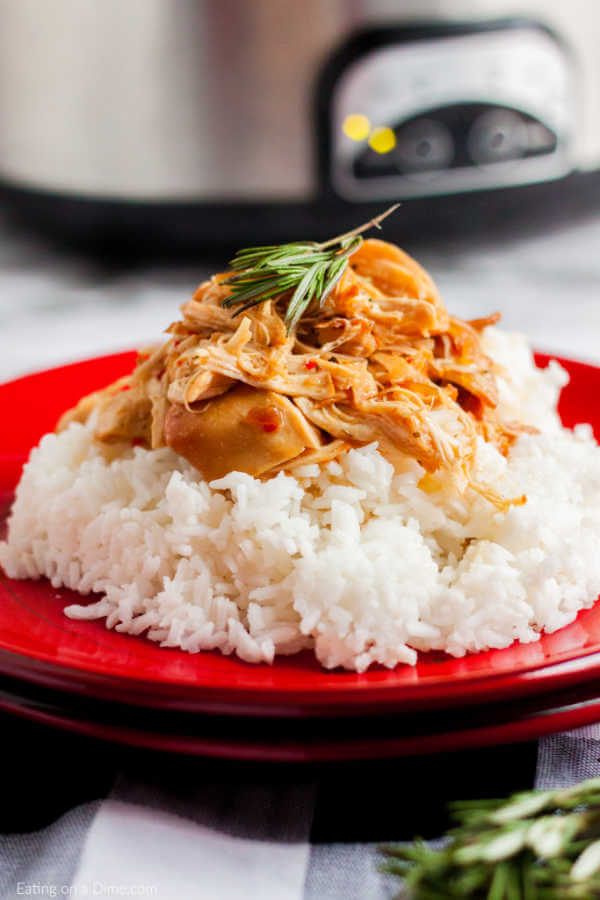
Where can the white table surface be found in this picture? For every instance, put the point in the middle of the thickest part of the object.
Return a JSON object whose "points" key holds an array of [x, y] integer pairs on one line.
{"points": [[56, 306]]}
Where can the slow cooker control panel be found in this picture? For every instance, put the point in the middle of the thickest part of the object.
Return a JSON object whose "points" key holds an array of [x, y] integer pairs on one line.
{"points": [[441, 113]]}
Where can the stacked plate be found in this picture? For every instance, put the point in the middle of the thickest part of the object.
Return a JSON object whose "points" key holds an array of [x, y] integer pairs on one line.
{"points": [[79, 676]]}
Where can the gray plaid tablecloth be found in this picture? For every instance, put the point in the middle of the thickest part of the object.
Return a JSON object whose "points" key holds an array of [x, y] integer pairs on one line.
{"points": [[83, 819]]}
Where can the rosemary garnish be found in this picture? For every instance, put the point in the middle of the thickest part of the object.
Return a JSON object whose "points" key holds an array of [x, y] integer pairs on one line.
{"points": [[537, 845], [309, 269]]}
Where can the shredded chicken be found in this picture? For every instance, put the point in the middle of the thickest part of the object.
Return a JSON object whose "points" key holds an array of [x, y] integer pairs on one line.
{"points": [[381, 361]]}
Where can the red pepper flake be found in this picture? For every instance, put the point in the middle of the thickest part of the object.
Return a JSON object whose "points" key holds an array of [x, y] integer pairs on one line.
{"points": [[126, 387], [143, 356], [137, 442], [180, 362], [311, 364], [268, 418]]}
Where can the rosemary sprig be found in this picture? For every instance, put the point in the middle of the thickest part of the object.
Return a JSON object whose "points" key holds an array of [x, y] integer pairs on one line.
{"points": [[537, 845], [309, 269]]}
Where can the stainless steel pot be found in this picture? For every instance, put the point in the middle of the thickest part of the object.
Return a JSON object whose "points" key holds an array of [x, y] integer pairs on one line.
{"points": [[220, 102]]}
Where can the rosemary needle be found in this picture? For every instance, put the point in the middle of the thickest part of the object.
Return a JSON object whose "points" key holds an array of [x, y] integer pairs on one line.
{"points": [[538, 845], [308, 269]]}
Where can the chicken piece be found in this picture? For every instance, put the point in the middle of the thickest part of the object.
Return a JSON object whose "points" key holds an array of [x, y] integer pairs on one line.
{"points": [[125, 416], [480, 384], [485, 322], [460, 360], [398, 432], [244, 430], [319, 457], [200, 385], [159, 404], [350, 336], [407, 287], [201, 316]]}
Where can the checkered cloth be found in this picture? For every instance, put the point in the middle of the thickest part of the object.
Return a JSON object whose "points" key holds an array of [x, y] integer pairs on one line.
{"points": [[84, 819]]}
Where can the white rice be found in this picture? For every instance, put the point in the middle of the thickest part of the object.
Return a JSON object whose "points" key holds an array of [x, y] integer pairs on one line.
{"points": [[353, 560]]}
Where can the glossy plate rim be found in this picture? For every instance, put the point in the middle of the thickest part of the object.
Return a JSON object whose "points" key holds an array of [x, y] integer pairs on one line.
{"points": [[504, 724]]}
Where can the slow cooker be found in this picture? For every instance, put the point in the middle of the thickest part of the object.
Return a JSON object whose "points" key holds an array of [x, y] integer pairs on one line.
{"points": [[182, 122]]}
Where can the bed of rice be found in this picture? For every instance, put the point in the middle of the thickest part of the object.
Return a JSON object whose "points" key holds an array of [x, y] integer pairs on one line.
{"points": [[351, 560]]}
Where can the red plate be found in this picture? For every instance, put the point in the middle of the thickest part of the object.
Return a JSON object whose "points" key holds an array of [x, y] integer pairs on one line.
{"points": [[304, 740], [38, 644]]}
